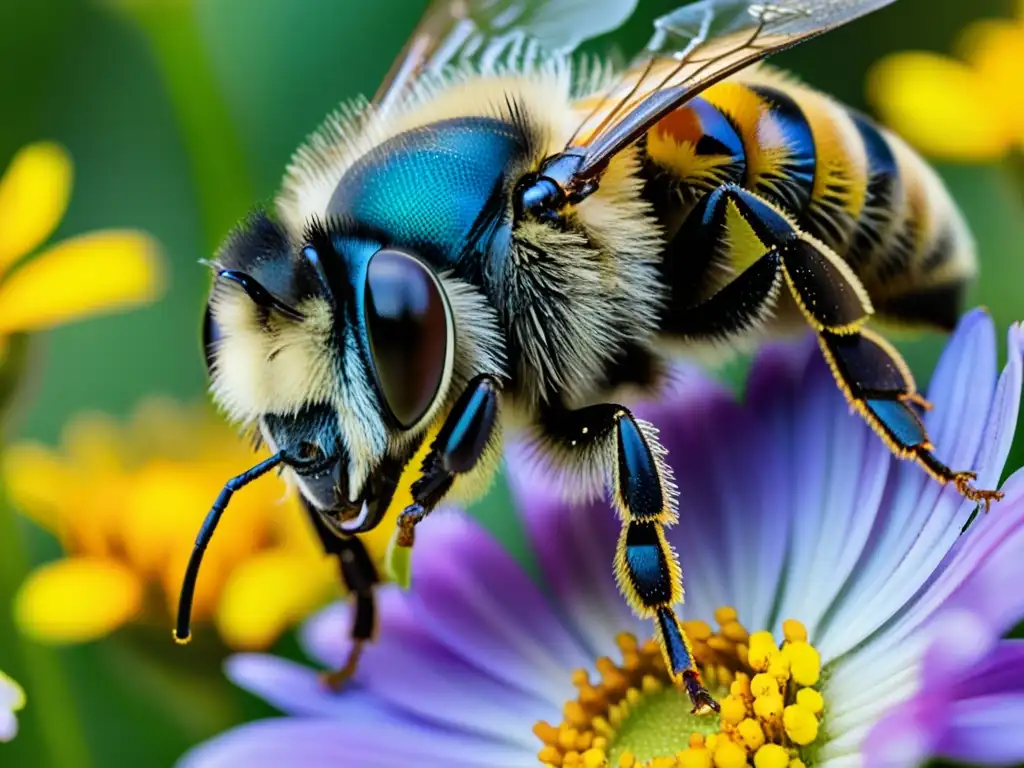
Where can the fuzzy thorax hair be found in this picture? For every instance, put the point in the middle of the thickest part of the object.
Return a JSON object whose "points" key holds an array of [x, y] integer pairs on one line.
{"points": [[569, 299]]}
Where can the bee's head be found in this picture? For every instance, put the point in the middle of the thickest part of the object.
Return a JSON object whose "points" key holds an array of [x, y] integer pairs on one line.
{"points": [[339, 349]]}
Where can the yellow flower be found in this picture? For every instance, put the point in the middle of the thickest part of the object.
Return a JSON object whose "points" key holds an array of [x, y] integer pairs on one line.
{"points": [[84, 275], [126, 502], [966, 108]]}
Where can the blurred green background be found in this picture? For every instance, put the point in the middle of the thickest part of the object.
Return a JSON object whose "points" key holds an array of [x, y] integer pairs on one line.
{"points": [[179, 116]]}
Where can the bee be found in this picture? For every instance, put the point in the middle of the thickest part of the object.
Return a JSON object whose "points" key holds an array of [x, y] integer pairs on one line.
{"points": [[503, 239]]}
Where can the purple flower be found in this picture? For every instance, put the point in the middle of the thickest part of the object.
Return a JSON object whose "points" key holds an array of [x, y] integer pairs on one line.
{"points": [[790, 508]]}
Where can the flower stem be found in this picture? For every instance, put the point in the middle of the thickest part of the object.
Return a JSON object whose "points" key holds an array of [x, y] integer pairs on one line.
{"points": [[49, 716], [1015, 168], [13, 361], [219, 165]]}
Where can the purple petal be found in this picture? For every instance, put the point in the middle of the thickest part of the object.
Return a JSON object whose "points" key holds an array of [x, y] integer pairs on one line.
{"points": [[837, 475], [919, 521], [906, 737], [988, 558], [575, 547], [1001, 672], [410, 670], [986, 730], [333, 743], [479, 603], [297, 690]]}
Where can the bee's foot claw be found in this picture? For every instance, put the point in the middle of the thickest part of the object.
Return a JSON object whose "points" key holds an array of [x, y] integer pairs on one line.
{"points": [[703, 702], [963, 484]]}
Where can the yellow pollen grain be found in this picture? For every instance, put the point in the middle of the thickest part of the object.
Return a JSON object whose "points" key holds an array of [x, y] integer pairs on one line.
{"points": [[734, 709], [764, 684], [697, 631], [761, 649], [768, 708], [810, 699], [778, 667], [694, 758], [741, 686], [729, 754], [726, 615], [804, 663], [800, 723], [794, 631], [632, 714], [735, 632], [771, 756], [751, 734]]}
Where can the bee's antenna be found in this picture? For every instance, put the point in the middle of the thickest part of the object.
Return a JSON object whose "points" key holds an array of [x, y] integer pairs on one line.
{"points": [[182, 633], [260, 295]]}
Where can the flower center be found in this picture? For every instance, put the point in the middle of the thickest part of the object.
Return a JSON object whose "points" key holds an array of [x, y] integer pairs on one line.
{"points": [[634, 716]]}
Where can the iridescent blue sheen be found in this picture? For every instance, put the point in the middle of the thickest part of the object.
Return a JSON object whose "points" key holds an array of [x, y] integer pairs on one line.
{"points": [[800, 161], [899, 420], [718, 136], [436, 190]]}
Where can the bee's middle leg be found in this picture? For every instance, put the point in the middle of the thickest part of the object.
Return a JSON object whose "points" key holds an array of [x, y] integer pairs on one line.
{"points": [[464, 438], [646, 568]]}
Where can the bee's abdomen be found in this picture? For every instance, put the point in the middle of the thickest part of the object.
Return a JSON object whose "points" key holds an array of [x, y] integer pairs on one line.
{"points": [[843, 180]]}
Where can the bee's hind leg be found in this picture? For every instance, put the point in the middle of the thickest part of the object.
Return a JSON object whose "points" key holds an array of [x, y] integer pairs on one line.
{"points": [[360, 578], [878, 384], [646, 568]]}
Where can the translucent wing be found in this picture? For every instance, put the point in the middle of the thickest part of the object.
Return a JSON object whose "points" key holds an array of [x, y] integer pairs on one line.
{"points": [[692, 48], [484, 33]]}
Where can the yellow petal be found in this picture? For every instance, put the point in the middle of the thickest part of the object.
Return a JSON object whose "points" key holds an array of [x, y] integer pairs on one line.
{"points": [[37, 481], [77, 600], [267, 594], [939, 105], [33, 197], [995, 49], [85, 275]]}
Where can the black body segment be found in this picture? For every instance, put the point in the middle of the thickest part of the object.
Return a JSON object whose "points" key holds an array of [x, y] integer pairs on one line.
{"points": [[877, 215], [787, 179], [881, 194]]}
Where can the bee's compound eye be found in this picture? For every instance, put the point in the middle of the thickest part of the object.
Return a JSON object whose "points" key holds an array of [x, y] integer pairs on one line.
{"points": [[408, 328]]}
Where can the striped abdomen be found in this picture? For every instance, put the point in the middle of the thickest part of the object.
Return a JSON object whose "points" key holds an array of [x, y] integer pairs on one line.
{"points": [[843, 180]]}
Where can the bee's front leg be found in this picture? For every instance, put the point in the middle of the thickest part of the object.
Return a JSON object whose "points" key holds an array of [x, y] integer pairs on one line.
{"points": [[360, 577], [462, 441]]}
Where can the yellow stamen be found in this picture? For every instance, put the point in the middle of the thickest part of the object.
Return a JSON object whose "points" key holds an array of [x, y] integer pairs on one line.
{"points": [[633, 716]]}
